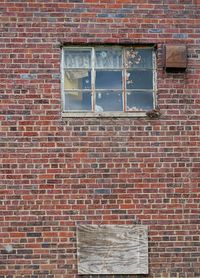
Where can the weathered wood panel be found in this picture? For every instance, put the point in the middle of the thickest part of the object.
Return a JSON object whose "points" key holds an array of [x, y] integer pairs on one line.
{"points": [[112, 249]]}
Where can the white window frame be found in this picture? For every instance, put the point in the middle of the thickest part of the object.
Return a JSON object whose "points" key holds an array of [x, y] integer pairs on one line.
{"points": [[114, 114]]}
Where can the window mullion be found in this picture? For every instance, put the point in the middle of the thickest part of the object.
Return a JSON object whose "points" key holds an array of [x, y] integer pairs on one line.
{"points": [[62, 79], [93, 80], [124, 80], [154, 78]]}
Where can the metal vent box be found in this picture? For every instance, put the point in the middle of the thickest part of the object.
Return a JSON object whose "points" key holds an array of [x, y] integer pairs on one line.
{"points": [[175, 57]]}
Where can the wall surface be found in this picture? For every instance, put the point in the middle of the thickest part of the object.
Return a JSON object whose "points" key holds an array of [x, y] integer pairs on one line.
{"points": [[56, 173]]}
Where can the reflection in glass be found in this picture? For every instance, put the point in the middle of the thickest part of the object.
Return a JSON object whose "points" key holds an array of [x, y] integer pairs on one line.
{"points": [[138, 58], [77, 58], [109, 101], [139, 79], [77, 79], [77, 100], [108, 58], [108, 80], [139, 101]]}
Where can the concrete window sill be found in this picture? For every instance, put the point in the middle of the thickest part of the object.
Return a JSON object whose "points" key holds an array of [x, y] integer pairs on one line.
{"points": [[104, 114]]}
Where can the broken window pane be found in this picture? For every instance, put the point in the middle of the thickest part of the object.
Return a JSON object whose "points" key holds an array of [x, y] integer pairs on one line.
{"points": [[139, 100], [108, 80], [77, 58], [77, 100], [139, 79], [77, 79], [108, 58], [109, 101], [138, 58]]}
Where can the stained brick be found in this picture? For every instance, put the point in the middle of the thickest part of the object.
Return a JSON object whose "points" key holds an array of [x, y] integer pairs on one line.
{"points": [[102, 191], [34, 234]]}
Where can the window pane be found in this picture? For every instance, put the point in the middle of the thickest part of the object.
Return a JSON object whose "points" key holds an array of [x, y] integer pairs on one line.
{"points": [[139, 79], [138, 58], [108, 80], [77, 79], [139, 101], [109, 101], [78, 100], [108, 58], [77, 58]]}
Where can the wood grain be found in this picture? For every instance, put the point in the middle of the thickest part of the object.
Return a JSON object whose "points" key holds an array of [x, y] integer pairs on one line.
{"points": [[112, 249]]}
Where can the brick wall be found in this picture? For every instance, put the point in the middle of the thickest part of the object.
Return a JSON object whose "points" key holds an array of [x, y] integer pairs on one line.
{"points": [[56, 173]]}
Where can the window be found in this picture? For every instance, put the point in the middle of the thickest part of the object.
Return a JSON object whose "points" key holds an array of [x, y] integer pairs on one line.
{"points": [[108, 80]]}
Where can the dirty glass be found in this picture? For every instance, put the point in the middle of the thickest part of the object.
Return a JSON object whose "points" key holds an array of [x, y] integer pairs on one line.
{"points": [[139, 79], [109, 101], [77, 58], [108, 80], [138, 58], [108, 58], [77, 100], [139, 100], [77, 79]]}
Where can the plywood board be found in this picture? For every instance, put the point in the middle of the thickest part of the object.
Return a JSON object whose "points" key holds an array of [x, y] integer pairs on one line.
{"points": [[112, 249]]}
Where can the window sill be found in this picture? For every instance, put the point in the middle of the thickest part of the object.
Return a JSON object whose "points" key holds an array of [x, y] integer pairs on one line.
{"points": [[138, 114]]}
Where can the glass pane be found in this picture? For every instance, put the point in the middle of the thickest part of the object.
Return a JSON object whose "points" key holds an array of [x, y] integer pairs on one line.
{"points": [[79, 101], [139, 79], [108, 80], [77, 58], [138, 58], [139, 101], [77, 79], [108, 101], [108, 58]]}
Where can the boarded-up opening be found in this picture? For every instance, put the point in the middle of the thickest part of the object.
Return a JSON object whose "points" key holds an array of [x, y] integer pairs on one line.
{"points": [[112, 249]]}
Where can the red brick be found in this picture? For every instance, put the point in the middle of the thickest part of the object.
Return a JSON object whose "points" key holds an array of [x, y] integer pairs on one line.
{"points": [[52, 177]]}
